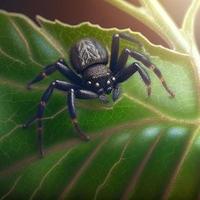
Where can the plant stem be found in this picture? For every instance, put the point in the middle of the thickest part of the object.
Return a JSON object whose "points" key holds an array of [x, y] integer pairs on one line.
{"points": [[155, 17], [189, 19], [169, 29], [138, 13]]}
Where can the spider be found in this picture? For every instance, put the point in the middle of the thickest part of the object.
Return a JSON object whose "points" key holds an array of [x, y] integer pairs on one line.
{"points": [[90, 77]]}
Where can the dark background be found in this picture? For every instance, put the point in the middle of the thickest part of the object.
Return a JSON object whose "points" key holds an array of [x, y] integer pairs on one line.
{"points": [[98, 12]]}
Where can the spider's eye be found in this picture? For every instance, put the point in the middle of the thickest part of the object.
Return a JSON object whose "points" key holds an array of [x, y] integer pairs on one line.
{"points": [[113, 78], [89, 82], [108, 82], [97, 84]]}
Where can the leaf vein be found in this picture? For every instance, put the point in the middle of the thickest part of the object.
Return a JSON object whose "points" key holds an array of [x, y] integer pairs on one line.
{"points": [[85, 165], [11, 189], [11, 57], [137, 174], [100, 186], [23, 38], [180, 163], [10, 132], [60, 160], [20, 164]]}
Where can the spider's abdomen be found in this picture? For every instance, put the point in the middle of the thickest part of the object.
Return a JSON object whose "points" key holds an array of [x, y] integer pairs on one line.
{"points": [[87, 52]]}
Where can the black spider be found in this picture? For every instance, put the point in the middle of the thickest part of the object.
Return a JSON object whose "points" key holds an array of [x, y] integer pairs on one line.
{"points": [[91, 78]]}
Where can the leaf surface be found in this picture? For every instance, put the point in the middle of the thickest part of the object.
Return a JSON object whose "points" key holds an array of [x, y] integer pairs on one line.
{"points": [[140, 147]]}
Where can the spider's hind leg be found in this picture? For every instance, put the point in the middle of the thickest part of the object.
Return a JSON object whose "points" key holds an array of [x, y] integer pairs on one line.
{"points": [[127, 72]]}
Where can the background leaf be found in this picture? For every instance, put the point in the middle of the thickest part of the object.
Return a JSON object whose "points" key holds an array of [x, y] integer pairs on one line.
{"points": [[140, 147]]}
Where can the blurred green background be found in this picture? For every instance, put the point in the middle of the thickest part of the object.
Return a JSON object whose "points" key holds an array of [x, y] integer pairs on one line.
{"points": [[96, 11]]}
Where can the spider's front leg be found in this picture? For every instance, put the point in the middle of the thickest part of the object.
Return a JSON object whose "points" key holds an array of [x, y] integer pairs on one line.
{"points": [[81, 94], [65, 87], [60, 66]]}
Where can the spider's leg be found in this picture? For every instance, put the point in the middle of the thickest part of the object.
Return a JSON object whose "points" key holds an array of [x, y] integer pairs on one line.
{"points": [[59, 85], [115, 49], [82, 94], [85, 94], [114, 52], [62, 68], [127, 72], [66, 87], [146, 62]]}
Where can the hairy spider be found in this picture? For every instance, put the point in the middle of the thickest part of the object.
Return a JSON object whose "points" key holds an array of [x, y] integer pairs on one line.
{"points": [[91, 78]]}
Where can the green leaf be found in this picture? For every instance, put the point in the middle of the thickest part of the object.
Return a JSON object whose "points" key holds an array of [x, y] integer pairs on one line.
{"points": [[140, 147]]}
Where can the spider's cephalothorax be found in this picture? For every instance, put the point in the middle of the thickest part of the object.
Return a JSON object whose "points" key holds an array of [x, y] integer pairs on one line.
{"points": [[90, 76], [89, 59]]}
